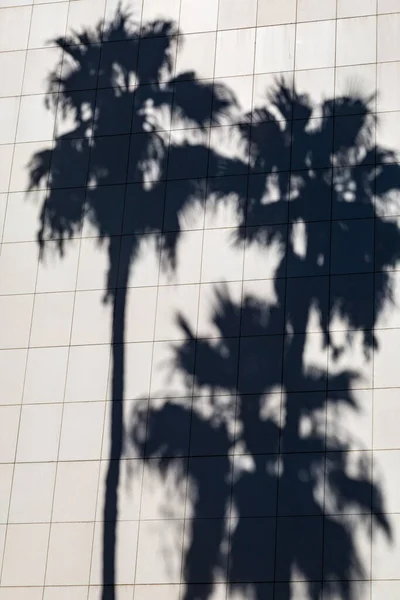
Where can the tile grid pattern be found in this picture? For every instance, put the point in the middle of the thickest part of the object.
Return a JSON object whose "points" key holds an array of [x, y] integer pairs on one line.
{"points": [[153, 343]]}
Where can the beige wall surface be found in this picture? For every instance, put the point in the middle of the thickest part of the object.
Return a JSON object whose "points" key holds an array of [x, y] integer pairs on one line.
{"points": [[199, 300]]}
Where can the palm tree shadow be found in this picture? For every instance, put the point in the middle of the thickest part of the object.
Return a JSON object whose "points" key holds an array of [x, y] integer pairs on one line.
{"points": [[298, 497], [117, 87]]}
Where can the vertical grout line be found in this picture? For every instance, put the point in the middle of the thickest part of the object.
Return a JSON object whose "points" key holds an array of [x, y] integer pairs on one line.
{"points": [[284, 308]]}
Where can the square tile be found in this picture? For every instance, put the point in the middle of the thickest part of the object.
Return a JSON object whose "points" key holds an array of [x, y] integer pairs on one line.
{"points": [[348, 257], [14, 593], [65, 593], [319, 34], [222, 256], [21, 176], [262, 263], [191, 159], [39, 433], [211, 302], [157, 9], [39, 63], [27, 545], [276, 12], [351, 301], [304, 234], [188, 264], [385, 549], [385, 589], [9, 108], [336, 532], [82, 431], [195, 17], [144, 271], [299, 292], [388, 40], [163, 494], [275, 49], [216, 365], [258, 421], [155, 539], [233, 14], [386, 408], [57, 271], [356, 8], [45, 375], [18, 267], [141, 307], [69, 554], [32, 493], [184, 203], [166, 380], [127, 533], [112, 151], [388, 86], [196, 55], [254, 378], [95, 270], [129, 498], [258, 535], [302, 132], [356, 41], [349, 364], [387, 6], [156, 45], [386, 373], [6, 475], [176, 301], [85, 14], [144, 209], [159, 592], [121, 107], [9, 431], [204, 537], [12, 63], [294, 498], [312, 375], [301, 537], [314, 10], [51, 321], [261, 309], [235, 52], [384, 477], [137, 380], [88, 369], [76, 491], [15, 320], [14, 28], [318, 87], [255, 491], [358, 83], [12, 372], [353, 424], [387, 136], [36, 120], [107, 201], [69, 164], [49, 22], [92, 322]]}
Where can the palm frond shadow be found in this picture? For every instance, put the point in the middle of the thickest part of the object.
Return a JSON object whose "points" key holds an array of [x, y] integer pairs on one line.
{"points": [[108, 170]]}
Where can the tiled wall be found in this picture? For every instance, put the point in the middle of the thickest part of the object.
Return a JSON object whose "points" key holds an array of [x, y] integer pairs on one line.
{"points": [[198, 279]]}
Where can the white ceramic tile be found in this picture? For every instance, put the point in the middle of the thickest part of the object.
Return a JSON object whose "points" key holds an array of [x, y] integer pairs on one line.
{"points": [[387, 134], [15, 320], [138, 358], [18, 267], [6, 475], [355, 41], [387, 6], [26, 545], [9, 108], [12, 63], [276, 12], [318, 87], [310, 36], [158, 9], [188, 260], [389, 590], [40, 63], [21, 174], [145, 269], [234, 14], [388, 86], [6, 155], [87, 373], [172, 301], [12, 371], [32, 493], [314, 10], [166, 379], [127, 532], [39, 433], [26, 229], [235, 52], [36, 121], [48, 22], [76, 491], [93, 272], [222, 256], [351, 356], [57, 271], [384, 477], [350, 424], [140, 313], [163, 495], [65, 593], [69, 554], [275, 49], [45, 375], [386, 409], [51, 322], [129, 497], [355, 8], [14, 28], [82, 431], [195, 17], [260, 263], [358, 82], [162, 592], [196, 53], [15, 593], [92, 319], [158, 539], [85, 15], [386, 373], [388, 40], [386, 548], [361, 539]]}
